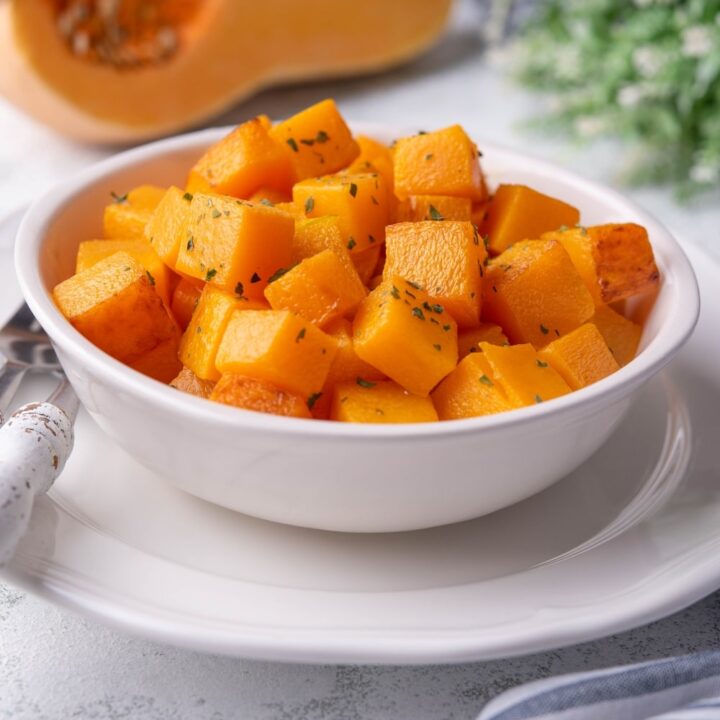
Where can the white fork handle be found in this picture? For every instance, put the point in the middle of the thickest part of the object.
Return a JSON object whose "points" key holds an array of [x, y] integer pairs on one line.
{"points": [[34, 445]]}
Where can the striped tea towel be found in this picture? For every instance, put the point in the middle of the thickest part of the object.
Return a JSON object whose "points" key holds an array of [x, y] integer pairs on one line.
{"points": [[678, 688]]}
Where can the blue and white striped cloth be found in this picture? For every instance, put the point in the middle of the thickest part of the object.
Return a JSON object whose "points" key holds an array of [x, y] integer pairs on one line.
{"points": [[678, 688]]}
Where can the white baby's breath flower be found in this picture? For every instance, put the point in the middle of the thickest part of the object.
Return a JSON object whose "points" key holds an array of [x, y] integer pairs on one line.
{"points": [[643, 3], [704, 174], [590, 126], [696, 41], [648, 61], [631, 95]]}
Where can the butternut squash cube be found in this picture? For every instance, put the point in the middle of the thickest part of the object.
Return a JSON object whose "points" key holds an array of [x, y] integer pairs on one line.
{"points": [[127, 216], [405, 336], [517, 212], [244, 161], [185, 299], [534, 292], [320, 289], [359, 202], [317, 140], [522, 375], [366, 262], [291, 209], [581, 357], [270, 196], [235, 245], [374, 157], [318, 234], [92, 251], [279, 347], [167, 228], [416, 208], [114, 305], [445, 258], [469, 391], [381, 402], [479, 214], [258, 395], [189, 382], [444, 162], [202, 337], [486, 332], [161, 363], [621, 335]]}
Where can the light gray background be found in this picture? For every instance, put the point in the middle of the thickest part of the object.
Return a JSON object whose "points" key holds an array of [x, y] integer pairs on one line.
{"points": [[55, 665]]}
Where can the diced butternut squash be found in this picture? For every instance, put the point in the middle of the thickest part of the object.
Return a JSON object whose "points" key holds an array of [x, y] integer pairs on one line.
{"points": [[469, 391], [486, 332], [92, 251], [189, 382], [279, 347], [321, 288], [114, 305], [317, 140], [479, 213], [374, 157], [381, 402], [445, 258], [162, 362], [522, 375], [318, 234], [517, 212], [185, 299], [366, 262], [258, 395], [202, 337], [235, 245], [359, 202], [444, 162], [621, 335], [398, 331], [269, 196], [291, 209], [581, 357], [416, 208], [243, 162], [167, 228], [127, 216], [534, 292]]}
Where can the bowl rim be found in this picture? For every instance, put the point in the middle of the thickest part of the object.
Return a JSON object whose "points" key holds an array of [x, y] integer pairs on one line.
{"points": [[676, 275]]}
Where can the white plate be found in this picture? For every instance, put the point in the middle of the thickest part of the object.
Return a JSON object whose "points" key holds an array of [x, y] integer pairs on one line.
{"points": [[634, 534]]}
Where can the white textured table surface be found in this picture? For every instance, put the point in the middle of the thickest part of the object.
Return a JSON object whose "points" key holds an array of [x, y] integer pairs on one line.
{"points": [[56, 665]]}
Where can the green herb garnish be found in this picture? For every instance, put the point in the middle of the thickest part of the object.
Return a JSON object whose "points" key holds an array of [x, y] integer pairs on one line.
{"points": [[210, 274], [309, 205], [291, 142], [365, 383], [435, 214]]}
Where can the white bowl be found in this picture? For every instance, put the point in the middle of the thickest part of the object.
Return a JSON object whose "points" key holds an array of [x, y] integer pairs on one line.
{"points": [[337, 476]]}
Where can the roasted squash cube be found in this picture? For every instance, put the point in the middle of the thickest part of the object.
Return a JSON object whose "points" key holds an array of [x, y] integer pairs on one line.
{"points": [[366, 262], [416, 208], [317, 140], [321, 288], [621, 335], [486, 332], [469, 391], [291, 209], [92, 251], [581, 357], [381, 402], [185, 299], [405, 336], [167, 228], [445, 258], [235, 245], [270, 196], [318, 234], [374, 157], [534, 292], [127, 216], [189, 382], [522, 375], [279, 347], [517, 212], [242, 162], [359, 202], [161, 363], [444, 162], [114, 305], [258, 395]]}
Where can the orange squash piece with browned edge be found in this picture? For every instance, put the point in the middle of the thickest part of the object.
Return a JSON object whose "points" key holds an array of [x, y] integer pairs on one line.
{"points": [[320, 288], [469, 391], [279, 347], [244, 161], [128, 214], [259, 395], [236, 245], [379, 402], [398, 331], [366, 262], [517, 212], [534, 292], [167, 228], [114, 305], [445, 258], [621, 335], [185, 299], [443, 162], [189, 382], [162, 362], [416, 208], [581, 357], [485, 332]]}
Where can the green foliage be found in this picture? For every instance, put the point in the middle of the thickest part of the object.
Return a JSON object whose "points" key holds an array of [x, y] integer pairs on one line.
{"points": [[647, 70]]}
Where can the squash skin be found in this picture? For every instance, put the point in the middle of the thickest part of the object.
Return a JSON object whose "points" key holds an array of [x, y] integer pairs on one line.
{"points": [[96, 103]]}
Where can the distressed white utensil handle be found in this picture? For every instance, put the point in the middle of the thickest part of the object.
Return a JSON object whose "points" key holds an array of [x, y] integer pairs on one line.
{"points": [[34, 445]]}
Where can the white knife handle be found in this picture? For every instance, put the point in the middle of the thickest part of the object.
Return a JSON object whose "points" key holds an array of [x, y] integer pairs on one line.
{"points": [[34, 445]]}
